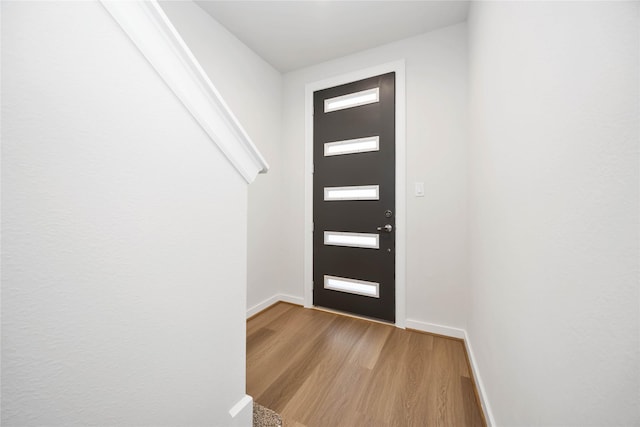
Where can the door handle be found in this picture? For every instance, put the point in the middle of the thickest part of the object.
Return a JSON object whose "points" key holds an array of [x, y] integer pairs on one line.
{"points": [[388, 228]]}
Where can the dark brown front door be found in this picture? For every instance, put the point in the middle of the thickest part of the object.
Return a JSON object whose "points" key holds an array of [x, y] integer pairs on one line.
{"points": [[354, 197]]}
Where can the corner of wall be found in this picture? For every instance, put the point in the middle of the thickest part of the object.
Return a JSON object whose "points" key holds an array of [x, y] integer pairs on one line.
{"points": [[263, 305]]}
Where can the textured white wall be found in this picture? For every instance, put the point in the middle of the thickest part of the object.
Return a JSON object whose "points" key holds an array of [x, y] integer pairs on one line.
{"points": [[554, 92], [436, 155], [123, 235], [253, 90]]}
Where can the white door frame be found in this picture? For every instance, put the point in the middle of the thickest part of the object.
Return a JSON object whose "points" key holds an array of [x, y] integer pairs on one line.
{"points": [[401, 167]]}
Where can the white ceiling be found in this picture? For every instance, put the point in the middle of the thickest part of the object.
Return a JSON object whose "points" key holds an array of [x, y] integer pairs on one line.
{"points": [[295, 34]]}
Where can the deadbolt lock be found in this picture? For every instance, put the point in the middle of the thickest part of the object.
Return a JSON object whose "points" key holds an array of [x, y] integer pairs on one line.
{"points": [[388, 213]]}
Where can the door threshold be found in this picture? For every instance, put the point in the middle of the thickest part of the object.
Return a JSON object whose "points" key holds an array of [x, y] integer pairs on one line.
{"points": [[354, 316]]}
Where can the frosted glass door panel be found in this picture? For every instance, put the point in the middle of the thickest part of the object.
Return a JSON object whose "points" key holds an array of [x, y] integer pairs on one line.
{"points": [[352, 286], [351, 146], [351, 100], [356, 192], [353, 240]]}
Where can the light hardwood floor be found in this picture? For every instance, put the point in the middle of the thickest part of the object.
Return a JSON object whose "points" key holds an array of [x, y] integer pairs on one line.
{"points": [[323, 369]]}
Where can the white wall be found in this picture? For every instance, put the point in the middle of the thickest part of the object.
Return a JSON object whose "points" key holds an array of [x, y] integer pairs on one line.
{"points": [[253, 90], [436, 155], [554, 210], [123, 298]]}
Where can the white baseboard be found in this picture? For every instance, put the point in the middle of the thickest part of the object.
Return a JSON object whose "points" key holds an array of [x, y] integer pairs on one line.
{"points": [[484, 401], [447, 331], [242, 412], [291, 299], [272, 300], [262, 305]]}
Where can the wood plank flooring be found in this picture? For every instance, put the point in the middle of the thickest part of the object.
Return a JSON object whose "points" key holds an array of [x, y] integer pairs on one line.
{"points": [[322, 369]]}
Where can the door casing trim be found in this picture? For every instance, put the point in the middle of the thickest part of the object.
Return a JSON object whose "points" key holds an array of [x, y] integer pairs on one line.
{"points": [[401, 173]]}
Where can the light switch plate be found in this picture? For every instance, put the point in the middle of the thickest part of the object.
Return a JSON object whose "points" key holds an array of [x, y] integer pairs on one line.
{"points": [[419, 189]]}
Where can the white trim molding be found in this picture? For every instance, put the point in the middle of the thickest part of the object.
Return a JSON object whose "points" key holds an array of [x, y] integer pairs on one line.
{"points": [[433, 328], [240, 405], [241, 412], [151, 31], [401, 167], [484, 400], [272, 300]]}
